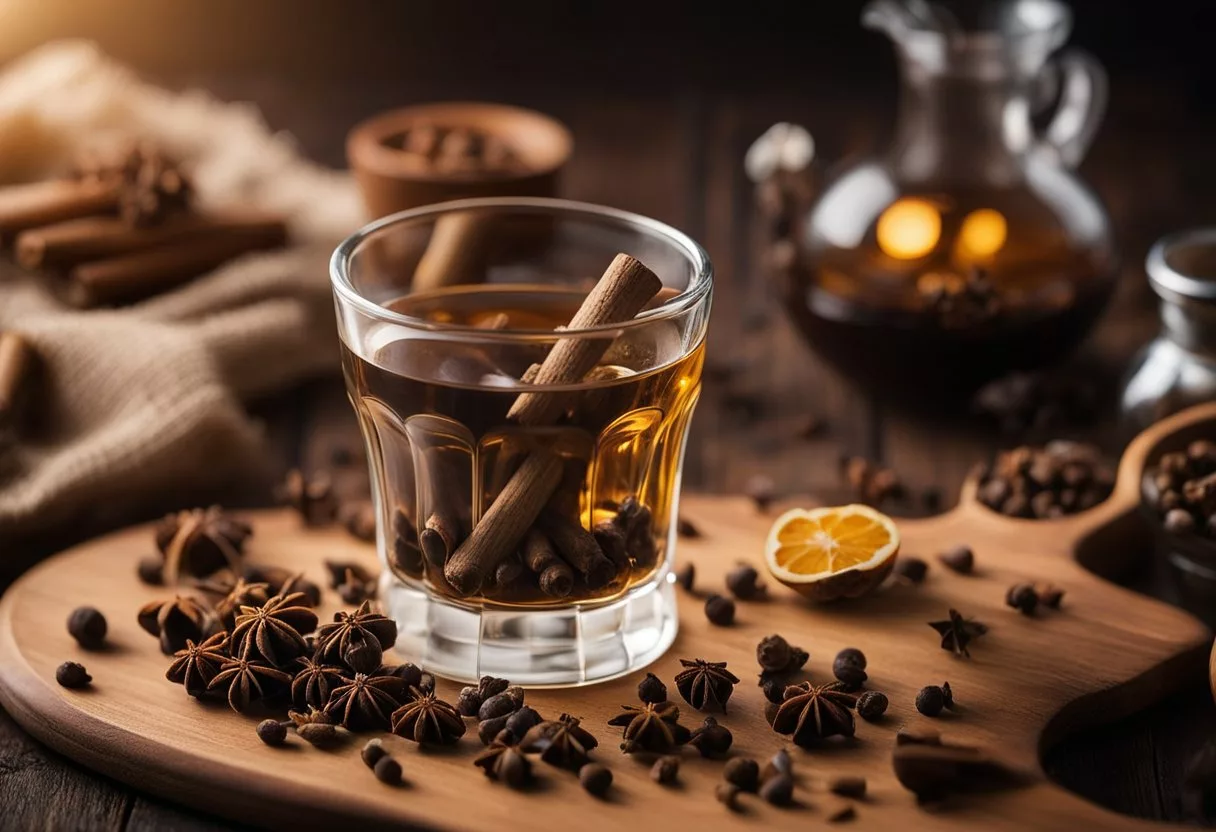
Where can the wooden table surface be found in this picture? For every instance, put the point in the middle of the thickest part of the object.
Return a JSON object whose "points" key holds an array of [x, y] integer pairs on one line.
{"points": [[676, 155]]}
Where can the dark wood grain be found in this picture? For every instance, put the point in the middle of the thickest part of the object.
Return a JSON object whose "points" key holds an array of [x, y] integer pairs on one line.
{"points": [[675, 154]]}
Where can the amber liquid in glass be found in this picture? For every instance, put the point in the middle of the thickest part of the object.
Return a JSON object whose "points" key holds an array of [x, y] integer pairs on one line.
{"points": [[436, 413]]}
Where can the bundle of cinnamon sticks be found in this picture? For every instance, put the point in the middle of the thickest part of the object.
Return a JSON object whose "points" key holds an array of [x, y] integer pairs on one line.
{"points": [[122, 230]]}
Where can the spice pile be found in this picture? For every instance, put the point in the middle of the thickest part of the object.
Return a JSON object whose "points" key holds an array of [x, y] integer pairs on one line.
{"points": [[1182, 489], [1058, 479]]}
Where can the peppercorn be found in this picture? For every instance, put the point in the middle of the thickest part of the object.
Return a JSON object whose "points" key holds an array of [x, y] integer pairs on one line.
{"points": [[743, 773], [871, 705], [851, 655], [595, 778], [930, 700], [520, 722], [720, 610], [711, 739], [88, 626], [665, 770], [272, 732], [958, 558], [847, 786], [387, 771], [685, 576], [911, 570], [72, 675], [373, 752], [778, 790], [850, 675], [1022, 598], [744, 583], [652, 690], [151, 570], [497, 705], [773, 685], [468, 703]]}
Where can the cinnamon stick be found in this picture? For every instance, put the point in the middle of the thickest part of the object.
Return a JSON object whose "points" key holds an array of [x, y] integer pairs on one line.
{"points": [[136, 276], [75, 241], [52, 201], [439, 538], [579, 548], [16, 362], [507, 571], [554, 575], [621, 293], [455, 254]]}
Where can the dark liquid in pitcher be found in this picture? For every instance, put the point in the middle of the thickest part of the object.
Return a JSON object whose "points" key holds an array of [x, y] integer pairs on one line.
{"points": [[438, 412]]}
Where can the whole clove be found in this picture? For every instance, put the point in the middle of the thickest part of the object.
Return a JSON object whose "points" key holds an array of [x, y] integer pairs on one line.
{"points": [[666, 769], [319, 734], [720, 610], [72, 675], [388, 771], [871, 705], [595, 779], [1058, 479], [712, 739], [743, 773], [651, 689], [88, 626], [958, 559], [744, 583], [272, 732]]}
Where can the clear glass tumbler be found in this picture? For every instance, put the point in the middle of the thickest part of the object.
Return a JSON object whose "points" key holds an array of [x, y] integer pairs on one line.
{"points": [[525, 465]]}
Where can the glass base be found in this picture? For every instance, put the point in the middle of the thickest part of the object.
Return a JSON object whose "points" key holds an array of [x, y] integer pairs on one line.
{"points": [[538, 648]]}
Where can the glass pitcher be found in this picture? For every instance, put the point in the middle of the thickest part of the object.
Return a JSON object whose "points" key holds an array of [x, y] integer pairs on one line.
{"points": [[970, 248]]}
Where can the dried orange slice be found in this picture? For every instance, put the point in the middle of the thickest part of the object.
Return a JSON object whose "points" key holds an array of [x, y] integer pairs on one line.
{"points": [[834, 552]]}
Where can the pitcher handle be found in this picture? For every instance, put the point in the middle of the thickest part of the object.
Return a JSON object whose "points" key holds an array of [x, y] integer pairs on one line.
{"points": [[1082, 104]]}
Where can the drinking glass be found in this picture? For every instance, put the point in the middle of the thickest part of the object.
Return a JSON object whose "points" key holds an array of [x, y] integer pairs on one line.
{"points": [[526, 520]]}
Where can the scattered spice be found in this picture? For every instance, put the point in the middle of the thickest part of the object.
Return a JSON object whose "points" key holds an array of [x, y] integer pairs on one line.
{"points": [[521, 722], [744, 583], [958, 559], [373, 751], [505, 763], [931, 700], [1050, 596], [910, 570], [314, 682], [776, 655], [200, 542], [468, 702], [235, 594], [275, 630], [359, 518], [563, 743], [366, 703], [652, 690], [685, 576], [501, 704], [779, 763], [363, 627], [871, 705], [848, 786], [72, 675], [88, 626], [319, 734], [711, 739], [728, 795], [849, 668], [195, 666], [176, 622], [651, 728], [778, 790], [247, 680], [388, 771], [272, 732], [427, 720], [311, 497], [957, 632], [686, 528], [151, 570], [1058, 479], [742, 773], [595, 779], [762, 491], [815, 712], [720, 610], [870, 483], [666, 769], [1182, 487], [706, 686], [339, 570], [1023, 598]]}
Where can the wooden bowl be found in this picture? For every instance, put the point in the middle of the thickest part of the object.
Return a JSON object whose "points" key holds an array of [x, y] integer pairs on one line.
{"points": [[393, 179]]}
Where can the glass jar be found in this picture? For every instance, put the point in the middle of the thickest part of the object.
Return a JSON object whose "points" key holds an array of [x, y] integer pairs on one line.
{"points": [[1178, 368], [969, 248], [527, 522]]}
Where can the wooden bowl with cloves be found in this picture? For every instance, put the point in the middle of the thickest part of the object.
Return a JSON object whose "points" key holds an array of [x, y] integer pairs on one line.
{"points": [[438, 152]]}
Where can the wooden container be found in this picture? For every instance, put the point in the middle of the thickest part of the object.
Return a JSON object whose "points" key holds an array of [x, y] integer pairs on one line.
{"points": [[393, 179]]}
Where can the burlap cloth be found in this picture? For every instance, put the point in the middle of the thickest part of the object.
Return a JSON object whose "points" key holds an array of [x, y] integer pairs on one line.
{"points": [[147, 400]]}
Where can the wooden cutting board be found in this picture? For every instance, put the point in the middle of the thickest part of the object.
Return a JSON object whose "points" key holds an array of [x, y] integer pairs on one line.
{"points": [[1107, 653]]}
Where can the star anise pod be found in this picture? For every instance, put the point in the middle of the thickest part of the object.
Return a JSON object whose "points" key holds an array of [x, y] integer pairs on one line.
{"points": [[366, 703], [312, 498], [247, 680], [350, 628], [310, 716], [506, 763], [814, 712], [176, 622], [314, 682], [195, 666], [651, 727], [233, 594], [957, 632], [275, 630], [563, 742], [427, 720], [706, 685], [200, 542]]}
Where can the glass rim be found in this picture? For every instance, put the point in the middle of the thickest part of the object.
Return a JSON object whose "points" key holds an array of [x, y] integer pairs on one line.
{"points": [[694, 294], [1167, 278]]}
